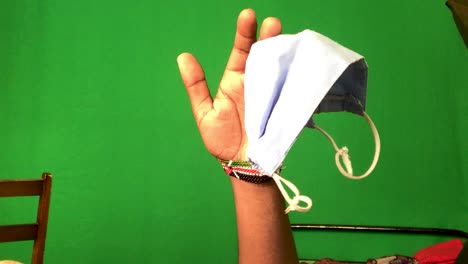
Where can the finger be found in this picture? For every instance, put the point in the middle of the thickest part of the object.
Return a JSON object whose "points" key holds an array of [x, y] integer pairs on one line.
{"points": [[194, 80], [271, 27], [245, 36]]}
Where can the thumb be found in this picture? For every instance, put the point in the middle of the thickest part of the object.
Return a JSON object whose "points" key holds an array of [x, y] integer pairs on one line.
{"points": [[194, 80]]}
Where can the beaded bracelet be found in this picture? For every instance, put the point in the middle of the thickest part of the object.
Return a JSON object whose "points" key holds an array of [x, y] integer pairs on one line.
{"points": [[243, 170]]}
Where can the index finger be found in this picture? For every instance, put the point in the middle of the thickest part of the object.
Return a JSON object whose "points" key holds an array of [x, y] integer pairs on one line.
{"points": [[245, 36]]}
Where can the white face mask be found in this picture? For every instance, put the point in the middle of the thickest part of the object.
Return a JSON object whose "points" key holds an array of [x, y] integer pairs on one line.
{"points": [[288, 78]]}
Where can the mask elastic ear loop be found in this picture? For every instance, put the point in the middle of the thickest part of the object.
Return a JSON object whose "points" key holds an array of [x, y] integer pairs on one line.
{"points": [[343, 153], [293, 204]]}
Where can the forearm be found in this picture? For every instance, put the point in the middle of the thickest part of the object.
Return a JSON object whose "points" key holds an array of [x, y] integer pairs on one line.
{"points": [[264, 233]]}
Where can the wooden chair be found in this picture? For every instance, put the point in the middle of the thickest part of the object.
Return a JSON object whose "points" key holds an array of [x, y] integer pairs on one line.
{"points": [[38, 230]]}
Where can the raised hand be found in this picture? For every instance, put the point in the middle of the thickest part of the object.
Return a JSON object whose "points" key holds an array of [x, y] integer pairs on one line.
{"points": [[220, 120]]}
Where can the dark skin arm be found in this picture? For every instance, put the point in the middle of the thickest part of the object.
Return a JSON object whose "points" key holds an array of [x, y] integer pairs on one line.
{"points": [[264, 233]]}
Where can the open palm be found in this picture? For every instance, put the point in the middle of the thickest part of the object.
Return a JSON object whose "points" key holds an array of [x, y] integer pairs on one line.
{"points": [[220, 120]]}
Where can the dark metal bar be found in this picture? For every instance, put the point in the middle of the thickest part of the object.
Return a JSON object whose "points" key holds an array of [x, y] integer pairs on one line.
{"points": [[383, 229]]}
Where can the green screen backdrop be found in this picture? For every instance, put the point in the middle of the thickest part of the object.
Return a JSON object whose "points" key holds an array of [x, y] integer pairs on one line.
{"points": [[90, 91]]}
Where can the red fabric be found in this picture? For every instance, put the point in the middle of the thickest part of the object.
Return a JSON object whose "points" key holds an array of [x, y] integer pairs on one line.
{"points": [[443, 253]]}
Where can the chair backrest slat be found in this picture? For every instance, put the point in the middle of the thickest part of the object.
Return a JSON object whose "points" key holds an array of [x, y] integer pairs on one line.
{"points": [[9, 188], [12, 233]]}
